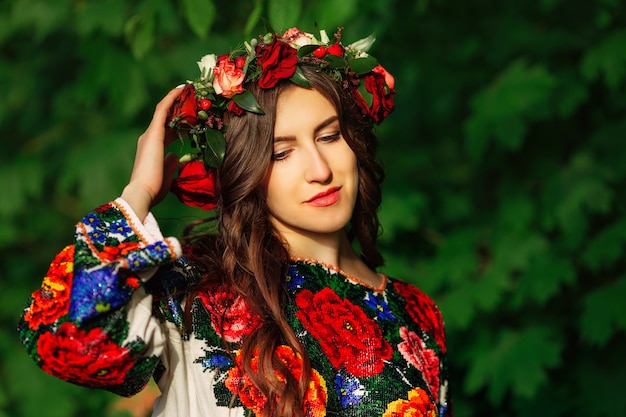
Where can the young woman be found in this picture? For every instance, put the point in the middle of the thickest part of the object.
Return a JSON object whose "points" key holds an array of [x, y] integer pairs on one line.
{"points": [[267, 309]]}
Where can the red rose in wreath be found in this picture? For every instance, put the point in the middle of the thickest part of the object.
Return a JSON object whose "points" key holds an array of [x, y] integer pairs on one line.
{"points": [[278, 61], [195, 186], [348, 337], [382, 97], [185, 107], [87, 358]]}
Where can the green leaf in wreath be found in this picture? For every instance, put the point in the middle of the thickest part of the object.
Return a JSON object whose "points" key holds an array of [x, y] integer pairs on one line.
{"points": [[216, 147], [364, 44], [299, 78], [247, 101], [367, 96], [363, 65], [306, 50], [335, 62]]}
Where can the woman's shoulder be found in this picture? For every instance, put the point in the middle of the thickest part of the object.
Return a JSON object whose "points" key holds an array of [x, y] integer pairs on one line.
{"points": [[420, 307]]}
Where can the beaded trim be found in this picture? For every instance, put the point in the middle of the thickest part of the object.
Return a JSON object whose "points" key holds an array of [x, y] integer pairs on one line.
{"points": [[352, 278]]}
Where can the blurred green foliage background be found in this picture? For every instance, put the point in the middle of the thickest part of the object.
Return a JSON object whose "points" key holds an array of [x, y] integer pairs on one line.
{"points": [[506, 163]]}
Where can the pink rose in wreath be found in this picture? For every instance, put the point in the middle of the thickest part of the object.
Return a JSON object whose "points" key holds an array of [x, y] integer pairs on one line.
{"points": [[228, 78]]}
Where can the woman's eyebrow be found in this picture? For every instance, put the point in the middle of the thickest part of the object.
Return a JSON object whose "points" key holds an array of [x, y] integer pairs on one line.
{"points": [[332, 119]]}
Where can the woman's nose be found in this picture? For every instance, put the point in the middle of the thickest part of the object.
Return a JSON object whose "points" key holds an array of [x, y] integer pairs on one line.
{"points": [[317, 167]]}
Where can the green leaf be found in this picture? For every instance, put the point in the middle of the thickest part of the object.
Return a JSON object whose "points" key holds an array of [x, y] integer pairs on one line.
{"points": [[607, 58], [571, 95], [299, 78], [517, 361], [333, 13], [306, 50], [364, 45], [247, 101], [362, 65], [216, 148], [139, 31], [402, 212], [543, 279], [512, 253], [254, 17], [574, 192], [41, 18], [106, 16], [367, 96], [23, 180], [200, 15], [607, 247], [283, 14], [501, 111], [604, 313], [335, 62], [516, 213]]}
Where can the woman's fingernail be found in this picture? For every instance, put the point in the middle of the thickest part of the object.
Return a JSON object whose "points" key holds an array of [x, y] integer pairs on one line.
{"points": [[180, 86]]}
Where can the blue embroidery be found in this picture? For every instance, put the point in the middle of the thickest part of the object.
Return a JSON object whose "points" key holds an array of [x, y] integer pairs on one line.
{"points": [[95, 292], [121, 227], [293, 279], [380, 306], [216, 361], [349, 389], [96, 236], [92, 220]]}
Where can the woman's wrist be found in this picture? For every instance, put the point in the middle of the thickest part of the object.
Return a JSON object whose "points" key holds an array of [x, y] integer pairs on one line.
{"points": [[138, 199]]}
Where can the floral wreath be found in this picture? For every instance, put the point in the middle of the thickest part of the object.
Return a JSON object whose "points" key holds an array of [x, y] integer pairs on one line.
{"points": [[198, 112]]}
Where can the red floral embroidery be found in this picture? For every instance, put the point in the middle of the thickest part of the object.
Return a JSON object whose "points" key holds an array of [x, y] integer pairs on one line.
{"points": [[415, 352], [52, 300], [347, 336], [133, 282], [84, 357], [103, 208], [110, 253], [278, 61], [240, 384], [423, 311], [231, 317], [418, 405]]}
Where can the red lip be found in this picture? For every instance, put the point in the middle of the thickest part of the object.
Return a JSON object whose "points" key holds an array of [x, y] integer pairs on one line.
{"points": [[325, 198]]}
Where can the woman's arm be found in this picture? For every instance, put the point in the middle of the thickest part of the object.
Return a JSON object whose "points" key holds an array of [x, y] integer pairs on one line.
{"points": [[91, 322], [152, 175]]}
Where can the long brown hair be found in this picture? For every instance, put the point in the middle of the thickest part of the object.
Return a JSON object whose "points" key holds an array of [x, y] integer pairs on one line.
{"points": [[246, 253]]}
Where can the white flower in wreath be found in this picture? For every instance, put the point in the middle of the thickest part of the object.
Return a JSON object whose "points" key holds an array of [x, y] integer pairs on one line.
{"points": [[206, 65]]}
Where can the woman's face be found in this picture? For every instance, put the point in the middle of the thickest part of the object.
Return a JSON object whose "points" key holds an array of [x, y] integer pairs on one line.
{"points": [[312, 182]]}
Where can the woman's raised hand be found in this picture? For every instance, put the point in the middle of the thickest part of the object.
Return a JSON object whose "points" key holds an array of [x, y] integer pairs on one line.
{"points": [[152, 173]]}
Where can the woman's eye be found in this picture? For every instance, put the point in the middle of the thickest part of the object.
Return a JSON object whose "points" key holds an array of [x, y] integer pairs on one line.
{"points": [[331, 138], [279, 156]]}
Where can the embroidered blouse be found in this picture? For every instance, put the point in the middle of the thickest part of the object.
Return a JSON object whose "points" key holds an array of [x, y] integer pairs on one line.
{"points": [[109, 314]]}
